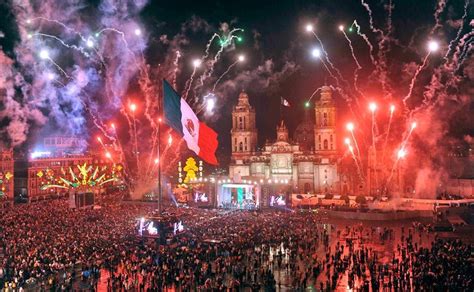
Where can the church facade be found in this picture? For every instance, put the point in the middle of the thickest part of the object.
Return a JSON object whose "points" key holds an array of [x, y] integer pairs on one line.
{"points": [[308, 162]]}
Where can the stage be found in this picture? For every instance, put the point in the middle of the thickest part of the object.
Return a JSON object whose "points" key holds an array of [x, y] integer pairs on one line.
{"points": [[238, 196]]}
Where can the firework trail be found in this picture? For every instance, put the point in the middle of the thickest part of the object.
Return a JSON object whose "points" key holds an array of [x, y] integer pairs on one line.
{"points": [[59, 68], [389, 18], [176, 68], [74, 47], [389, 179], [115, 142], [314, 93], [223, 74], [101, 143], [149, 91], [346, 98], [458, 34], [440, 6], [121, 33], [462, 49], [135, 137], [352, 50], [373, 145], [392, 109], [381, 68], [462, 56], [206, 55], [412, 82], [367, 41], [401, 153], [327, 59], [130, 124], [373, 129], [359, 171], [154, 142], [189, 83], [359, 67], [209, 43], [357, 147], [118, 145], [384, 48], [224, 43], [44, 54], [405, 141], [97, 121], [29, 21], [201, 107], [330, 72], [89, 41], [65, 104], [371, 20]]}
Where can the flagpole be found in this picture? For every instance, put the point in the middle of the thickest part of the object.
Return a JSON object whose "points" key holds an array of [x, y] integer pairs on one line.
{"points": [[281, 110], [160, 196], [160, 119]]}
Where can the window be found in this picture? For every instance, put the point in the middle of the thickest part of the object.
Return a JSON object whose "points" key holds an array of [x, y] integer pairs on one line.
{"points": [[244, 122], [319, 138], [325, 119], [241, 146], [330, 138], [319, 146], [331, 147], [240, 123], [325, 144]]}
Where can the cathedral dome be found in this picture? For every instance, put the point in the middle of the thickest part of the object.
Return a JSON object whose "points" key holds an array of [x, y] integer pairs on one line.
{"points": [[304, 133]]}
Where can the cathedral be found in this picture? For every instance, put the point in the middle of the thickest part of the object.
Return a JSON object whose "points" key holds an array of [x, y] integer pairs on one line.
{"points": [[308, 162]]}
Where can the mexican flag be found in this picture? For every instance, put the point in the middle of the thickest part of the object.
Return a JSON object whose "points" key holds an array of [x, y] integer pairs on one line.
{"points": [[201, 139], [285, 102]]}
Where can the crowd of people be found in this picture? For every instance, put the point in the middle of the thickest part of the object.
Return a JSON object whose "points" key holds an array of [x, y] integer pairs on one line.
{"points": [[47, 245], [448, 196]]}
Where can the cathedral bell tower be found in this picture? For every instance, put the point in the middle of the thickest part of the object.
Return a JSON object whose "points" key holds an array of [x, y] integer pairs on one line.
{"points": [[282, 132], [244, 131], [325, 127]]}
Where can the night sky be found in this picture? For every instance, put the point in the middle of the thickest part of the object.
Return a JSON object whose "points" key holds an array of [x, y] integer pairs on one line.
{"points": [[282, 38], [275, 33]]}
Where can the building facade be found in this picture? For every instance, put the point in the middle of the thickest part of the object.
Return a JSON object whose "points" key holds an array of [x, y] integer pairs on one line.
{"points": [[6, 174], [308, 162], [63, 166], [48, 170]]}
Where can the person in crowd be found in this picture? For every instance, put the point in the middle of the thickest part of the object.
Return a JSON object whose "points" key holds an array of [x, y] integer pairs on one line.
{"points": [[47, 245]]}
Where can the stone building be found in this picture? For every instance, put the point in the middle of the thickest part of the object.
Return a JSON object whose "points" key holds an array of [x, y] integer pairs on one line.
{"points": [[6, 174], [308, 162]]}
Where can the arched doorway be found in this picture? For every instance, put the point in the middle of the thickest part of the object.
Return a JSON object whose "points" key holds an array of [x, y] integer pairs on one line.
{"points": [[307, 188]]}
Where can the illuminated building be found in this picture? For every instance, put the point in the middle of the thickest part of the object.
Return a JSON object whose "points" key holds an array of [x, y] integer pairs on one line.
{"points": [[6, 174], [308, 164], [61, 166]]}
